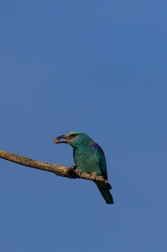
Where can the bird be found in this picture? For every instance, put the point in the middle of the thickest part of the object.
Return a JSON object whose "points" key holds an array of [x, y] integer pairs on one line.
{"points": [[90, 158]]}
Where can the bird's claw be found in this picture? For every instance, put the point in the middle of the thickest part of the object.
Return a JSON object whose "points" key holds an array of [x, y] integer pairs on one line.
{"points": [[93, 176], [78, 172], [71, 170], [73, 167]]}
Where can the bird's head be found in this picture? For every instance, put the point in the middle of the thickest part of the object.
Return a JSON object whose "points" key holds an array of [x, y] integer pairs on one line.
{"points": [[74, 138]]}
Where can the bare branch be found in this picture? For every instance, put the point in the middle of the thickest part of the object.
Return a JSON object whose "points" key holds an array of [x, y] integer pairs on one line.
{"points": [[56, 169]]}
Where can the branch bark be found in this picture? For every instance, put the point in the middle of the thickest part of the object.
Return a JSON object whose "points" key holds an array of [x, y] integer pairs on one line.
{"points": [[59, 170]]}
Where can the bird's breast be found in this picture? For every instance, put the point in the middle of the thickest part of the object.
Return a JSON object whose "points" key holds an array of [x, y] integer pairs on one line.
{"points": [[86, 161]]}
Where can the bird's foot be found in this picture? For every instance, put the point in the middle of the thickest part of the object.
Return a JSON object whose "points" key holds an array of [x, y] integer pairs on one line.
{"points": [[93, 176], [73, 167], [78, 172], [71, 172]]}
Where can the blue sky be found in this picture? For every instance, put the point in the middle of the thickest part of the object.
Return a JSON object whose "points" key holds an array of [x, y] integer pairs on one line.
{"points": [[99, 67]]}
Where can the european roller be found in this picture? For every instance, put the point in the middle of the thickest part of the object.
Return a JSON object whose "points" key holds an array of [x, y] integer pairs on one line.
{"points": [[89, 157]]}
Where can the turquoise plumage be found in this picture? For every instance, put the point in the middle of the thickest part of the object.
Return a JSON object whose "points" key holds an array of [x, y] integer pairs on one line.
{"points": [[90, 158]]}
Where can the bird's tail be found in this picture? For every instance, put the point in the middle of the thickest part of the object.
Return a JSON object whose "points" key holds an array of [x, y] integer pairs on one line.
{"points": [[104, 190]]}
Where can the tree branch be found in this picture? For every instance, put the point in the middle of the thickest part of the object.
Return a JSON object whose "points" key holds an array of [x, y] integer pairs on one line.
{"points": [[59, 170]]}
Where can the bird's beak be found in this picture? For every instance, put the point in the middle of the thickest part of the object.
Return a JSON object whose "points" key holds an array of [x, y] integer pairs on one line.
{"points": [[58, 139]]}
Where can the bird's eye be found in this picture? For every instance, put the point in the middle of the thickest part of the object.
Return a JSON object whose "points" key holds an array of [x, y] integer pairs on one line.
{"points": [[73, 135]]}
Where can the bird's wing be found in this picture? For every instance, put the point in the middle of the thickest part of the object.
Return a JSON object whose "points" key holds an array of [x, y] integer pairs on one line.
{"points": [[100, 157], [74, 156]]}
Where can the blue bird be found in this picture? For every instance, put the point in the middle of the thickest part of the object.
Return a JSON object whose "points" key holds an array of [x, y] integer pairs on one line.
{"points": [[89, 157]]}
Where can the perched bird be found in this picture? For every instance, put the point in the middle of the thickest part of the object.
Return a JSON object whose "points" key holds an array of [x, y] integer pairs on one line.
{"points": [[89, 157]]}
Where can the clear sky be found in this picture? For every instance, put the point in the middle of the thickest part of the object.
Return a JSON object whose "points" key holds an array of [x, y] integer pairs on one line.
{"points": [[99, 67]]}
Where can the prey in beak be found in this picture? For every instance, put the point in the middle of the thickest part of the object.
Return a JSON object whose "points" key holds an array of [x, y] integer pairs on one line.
{"points": [[59, 139]]}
